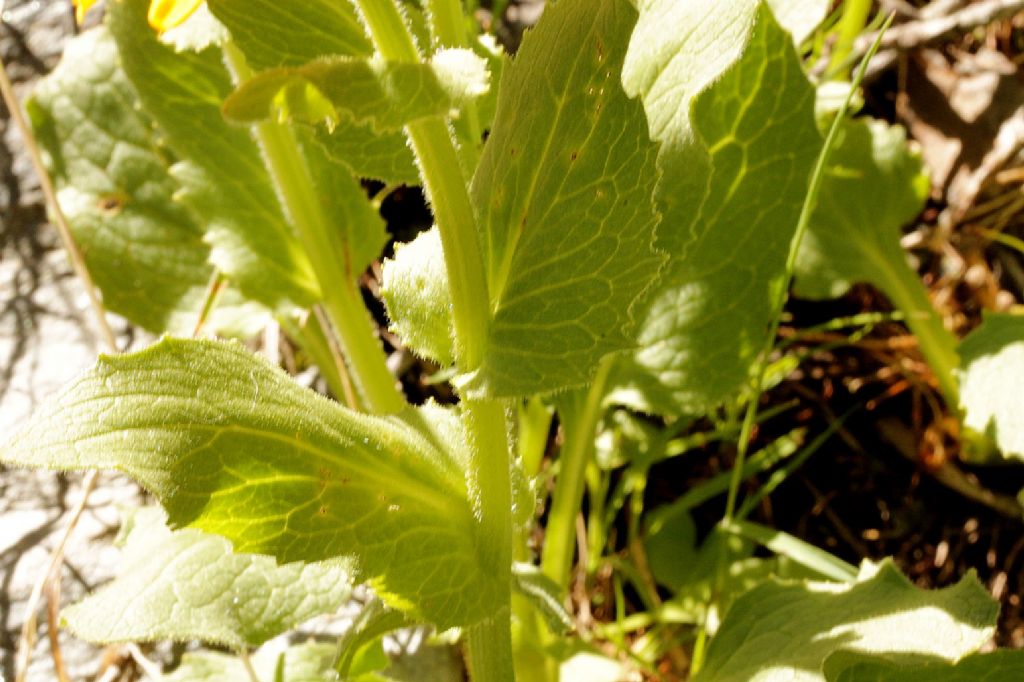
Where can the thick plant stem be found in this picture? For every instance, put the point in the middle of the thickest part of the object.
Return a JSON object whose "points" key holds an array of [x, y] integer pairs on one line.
{"points": [[490, 490], [490, 648], [937, 344], [446, 188], [351, 320], [488, 469], [567, 498]]}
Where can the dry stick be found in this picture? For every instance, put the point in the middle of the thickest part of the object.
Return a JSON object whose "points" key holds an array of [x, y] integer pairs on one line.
{"points": [[148, 667], [52, 613], [930, 30], [26, 640]]}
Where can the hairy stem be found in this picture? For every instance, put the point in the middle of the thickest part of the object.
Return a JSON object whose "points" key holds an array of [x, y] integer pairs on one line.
{"points": [[488, 469], [351, 320]]}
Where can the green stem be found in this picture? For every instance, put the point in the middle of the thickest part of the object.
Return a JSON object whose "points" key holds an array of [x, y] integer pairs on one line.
{"points": [[351, 320], [453, 212], [853, 21], [490, 490], [448, 27], [447, 190], [490, 648], [937, 344], [567, 498], [488, 469]]}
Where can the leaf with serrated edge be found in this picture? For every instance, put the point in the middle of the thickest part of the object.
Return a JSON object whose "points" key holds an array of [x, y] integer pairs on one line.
{"points": [[735, 114], [223, 174], [385, 95], [231, 445], [187, 584], [990, 381], [309, 662], [874, 185], [998, 666], [781, 631], [143, 249], [414, 286], [273, 34], [563, 193]]}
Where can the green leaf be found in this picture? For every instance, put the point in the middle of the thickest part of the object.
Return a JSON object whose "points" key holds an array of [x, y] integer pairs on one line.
{"points": [[222, 172], [998, 666], [415, 289], [366, 91], [780, 631], [300, 663], [360, 232], [735, 115], [273, 35], [544, 595], [186, 584], [990, 381], [230, 445], [874, 186], [563, 193], [144, 250]]}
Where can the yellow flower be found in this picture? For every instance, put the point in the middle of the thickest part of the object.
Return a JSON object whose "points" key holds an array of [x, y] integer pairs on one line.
{"points": [[166, 14], [81, 7]]}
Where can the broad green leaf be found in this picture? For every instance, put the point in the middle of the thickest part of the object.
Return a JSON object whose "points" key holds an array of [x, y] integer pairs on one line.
{"points": [[222, 172], [366, 91], [414, 287], [875, 184], [735, 115], [231, 445], [300, 663], [781, 631], [563, 193], [273, 34], [998, 666], [186, 584], [990, 381], [144, 250]]}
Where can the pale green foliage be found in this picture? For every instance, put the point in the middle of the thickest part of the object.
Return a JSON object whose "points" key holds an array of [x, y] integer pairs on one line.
{"points": [[186, 585], [415, 288], [736, 155], [875, 185], [990, 382], [785, 631], [145, 251], [301, 663], [800, 17], [383, 95], [273, 35], [233, 446], [563, 193], [222, 171], [999, 666]]}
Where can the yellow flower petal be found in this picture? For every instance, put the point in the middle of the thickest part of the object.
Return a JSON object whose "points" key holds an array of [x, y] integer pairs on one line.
{"points": [[81, 7], [166, 14]]}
